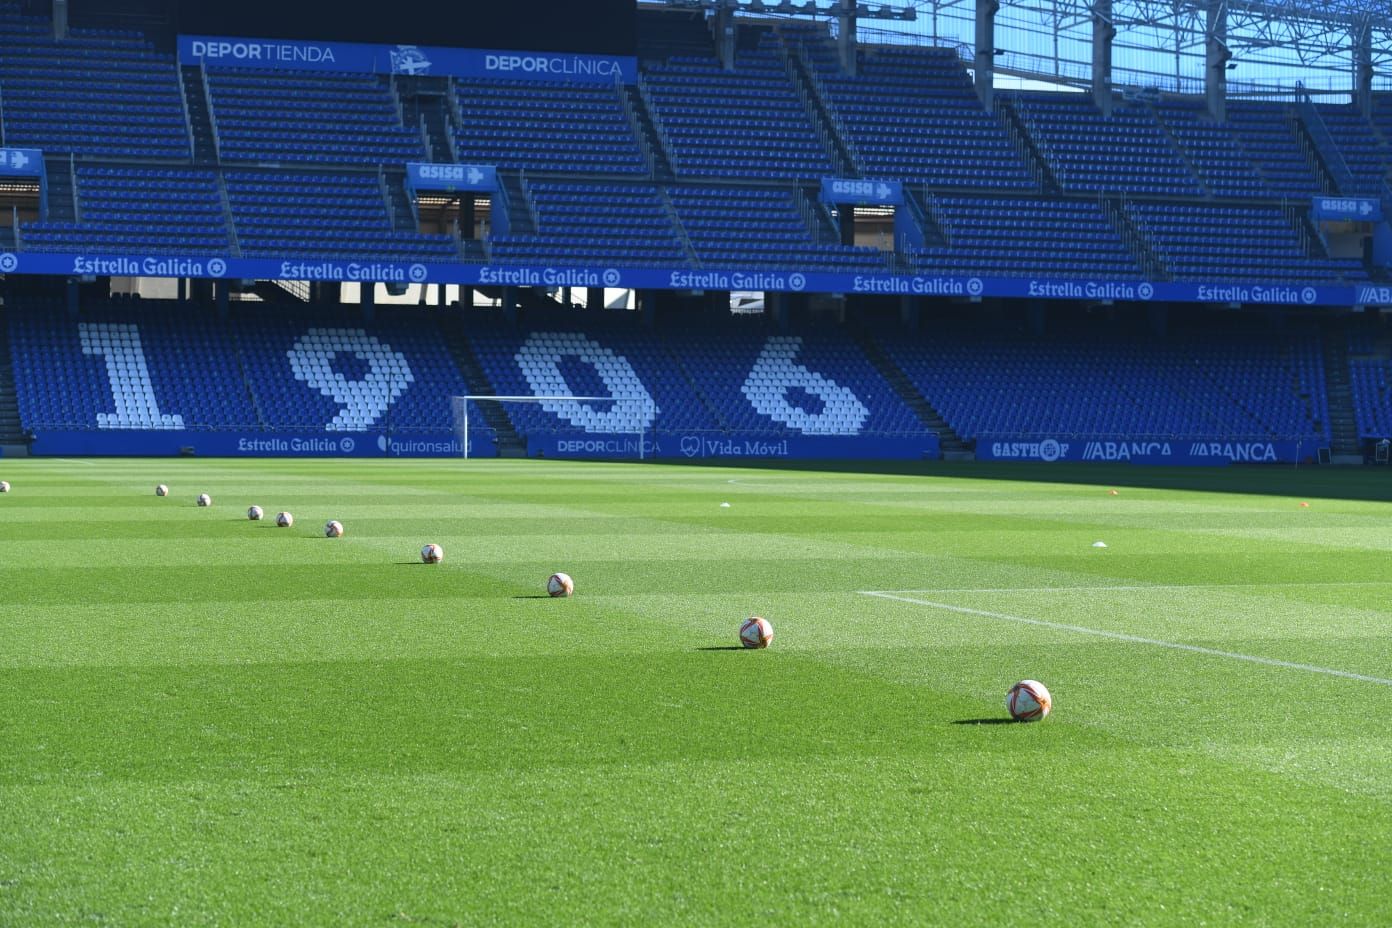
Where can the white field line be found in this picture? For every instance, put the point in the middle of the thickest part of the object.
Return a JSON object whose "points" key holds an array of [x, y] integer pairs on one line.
{"points": [[1132, 639], [1136, 588]]}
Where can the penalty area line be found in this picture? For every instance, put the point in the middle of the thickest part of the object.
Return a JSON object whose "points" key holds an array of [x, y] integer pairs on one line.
{"points": [[1130, 639]]}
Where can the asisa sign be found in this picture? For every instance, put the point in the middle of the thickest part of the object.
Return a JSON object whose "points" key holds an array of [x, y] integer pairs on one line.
{"points": [[417, 60]]}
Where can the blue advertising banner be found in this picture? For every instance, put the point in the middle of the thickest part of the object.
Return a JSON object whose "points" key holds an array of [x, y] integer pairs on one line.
{"points": [[1178, 452], [1347, 209], [296, 55], [886, 284], [451, 177], [136, 443], [709, 446], [21, 162], [862, 192]]}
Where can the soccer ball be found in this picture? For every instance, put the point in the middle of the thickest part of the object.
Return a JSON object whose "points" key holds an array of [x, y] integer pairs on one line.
{"points": [[4, 486], [560, 585], [284, 519], [756, 632], [204, 499], [1028, 701], [333, 529], [255, 513], [432, 554], [161, 490]]}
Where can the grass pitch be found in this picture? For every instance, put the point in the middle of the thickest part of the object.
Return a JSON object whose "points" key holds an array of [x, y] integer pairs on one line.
{"points": [[207, 721]]}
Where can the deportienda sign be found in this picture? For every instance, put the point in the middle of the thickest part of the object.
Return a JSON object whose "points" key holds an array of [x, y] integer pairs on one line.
{"points": [[417, 60]]}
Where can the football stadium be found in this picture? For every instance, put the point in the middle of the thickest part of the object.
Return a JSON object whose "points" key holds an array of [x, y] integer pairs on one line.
{"points": [[695, 462]]}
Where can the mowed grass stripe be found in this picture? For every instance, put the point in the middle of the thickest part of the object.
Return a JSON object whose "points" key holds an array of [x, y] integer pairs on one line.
{"points": [[257, 727]]}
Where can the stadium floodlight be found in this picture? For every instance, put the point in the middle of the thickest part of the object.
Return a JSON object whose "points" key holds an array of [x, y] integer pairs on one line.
{"points": [[644, 413]]}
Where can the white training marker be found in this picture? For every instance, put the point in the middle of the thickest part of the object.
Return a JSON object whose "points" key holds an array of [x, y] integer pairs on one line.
{"points": [[1099, 544], [724, 505]]}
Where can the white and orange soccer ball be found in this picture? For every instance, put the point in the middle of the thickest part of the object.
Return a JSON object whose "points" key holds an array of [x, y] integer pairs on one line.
{"points": [[161, 490], [432, 554], [756, 632], [333, 529], [1028, 701], [204, 499], [255, 513], [284, 519], [560, 585]]}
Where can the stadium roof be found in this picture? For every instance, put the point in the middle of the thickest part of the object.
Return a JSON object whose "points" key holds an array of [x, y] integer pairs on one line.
{"points": [[1276, 44]]}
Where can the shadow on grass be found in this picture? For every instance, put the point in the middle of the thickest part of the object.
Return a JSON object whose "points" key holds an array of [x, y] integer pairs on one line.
{"points": [[995, 721], [724, 647], [1306, 481], [536, 596]]}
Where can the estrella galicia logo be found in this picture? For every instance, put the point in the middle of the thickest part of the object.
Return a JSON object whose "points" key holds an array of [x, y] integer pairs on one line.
{"points": [[797, 282], [217, 267], [1049, 450], [417, 273], [409, 59], [8, 263], [691, 445], [347, 445], [975, 287], [1309, 295], [612, 278], [1146, 291]]}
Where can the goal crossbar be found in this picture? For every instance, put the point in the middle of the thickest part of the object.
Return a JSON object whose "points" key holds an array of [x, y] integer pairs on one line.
{"points": [[464, 415]]}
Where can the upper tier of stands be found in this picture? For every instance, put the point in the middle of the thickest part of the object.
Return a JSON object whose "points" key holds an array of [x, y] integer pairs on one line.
{"points": [[995, 236], [140, 210], [745, 123], [324, 118], [1266, 133], [1358, 146], [1235, 243], [1212, 149], [1092, 153], [98, 92], [735, 227], [295, 170], [912, 114], [596, 222], [322, 216], [537, 126]]}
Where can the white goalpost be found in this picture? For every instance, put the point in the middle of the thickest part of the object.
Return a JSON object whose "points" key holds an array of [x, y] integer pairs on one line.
{"points": [[460, 407]]}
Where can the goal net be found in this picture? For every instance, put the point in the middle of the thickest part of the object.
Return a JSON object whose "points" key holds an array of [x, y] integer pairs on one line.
{"points": [[601, 418]]}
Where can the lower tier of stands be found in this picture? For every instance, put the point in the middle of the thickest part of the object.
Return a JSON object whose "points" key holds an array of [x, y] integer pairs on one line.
{"points": [[150, 365]]}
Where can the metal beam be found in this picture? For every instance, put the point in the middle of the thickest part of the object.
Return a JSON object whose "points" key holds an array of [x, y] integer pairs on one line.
{"points": [[1103, 34], [986, 11], [1363, 66], [846, 39], [725, 34], [1217, 56]]}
